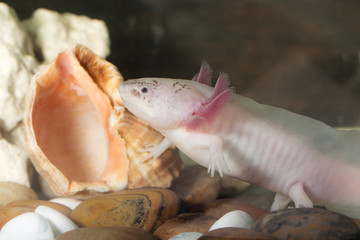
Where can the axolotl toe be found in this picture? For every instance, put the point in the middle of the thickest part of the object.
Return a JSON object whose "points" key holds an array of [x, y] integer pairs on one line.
{"points": [[299, 158]]}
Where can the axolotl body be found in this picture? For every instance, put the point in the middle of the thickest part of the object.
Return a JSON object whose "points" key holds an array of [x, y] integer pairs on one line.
{"points": [[299, 158]]}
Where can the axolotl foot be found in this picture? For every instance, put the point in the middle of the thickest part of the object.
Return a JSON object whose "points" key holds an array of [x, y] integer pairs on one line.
{"points": [[216, 158], [154, 150], [297, 194], [217, 162]]}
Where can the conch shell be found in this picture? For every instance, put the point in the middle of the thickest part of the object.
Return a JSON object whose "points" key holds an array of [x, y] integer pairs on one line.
{"points": [[80, 137]]}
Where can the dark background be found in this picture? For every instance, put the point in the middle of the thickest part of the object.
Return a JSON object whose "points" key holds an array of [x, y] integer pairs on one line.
{"points": [[300, 55]]}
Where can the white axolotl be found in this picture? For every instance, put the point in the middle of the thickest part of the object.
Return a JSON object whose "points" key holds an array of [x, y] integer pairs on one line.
{"points": [[299, 158]]}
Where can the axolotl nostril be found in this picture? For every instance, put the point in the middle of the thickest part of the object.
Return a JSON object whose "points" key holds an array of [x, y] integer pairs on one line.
{"points": [[299, 158]]}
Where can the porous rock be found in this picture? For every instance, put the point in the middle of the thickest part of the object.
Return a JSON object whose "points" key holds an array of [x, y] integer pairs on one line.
{"points": [[14, 164], [17, 66], [54, 32]]}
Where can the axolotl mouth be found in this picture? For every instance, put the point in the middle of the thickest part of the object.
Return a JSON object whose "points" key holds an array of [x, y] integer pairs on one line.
{"points": [[136, 95]]}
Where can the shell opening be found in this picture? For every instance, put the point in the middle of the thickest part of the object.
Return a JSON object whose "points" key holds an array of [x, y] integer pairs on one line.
{"points": [[77, 142], [70, 122]]}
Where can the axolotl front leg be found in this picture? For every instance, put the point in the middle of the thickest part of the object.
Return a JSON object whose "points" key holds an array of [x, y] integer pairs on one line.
{"points": [[155, 150], [207, 147]]}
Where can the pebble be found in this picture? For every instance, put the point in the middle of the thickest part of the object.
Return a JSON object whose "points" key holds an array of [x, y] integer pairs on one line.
{"points": [[235, 233], [231, 186], [22, 206], [10, 192], [307, 223], [357, 221], [106, 233], [196, 186], [236, 218], [29, 226], [185, 222], [187, 236], [58, 222], [68, 202], [144, 208], [220, 207]]}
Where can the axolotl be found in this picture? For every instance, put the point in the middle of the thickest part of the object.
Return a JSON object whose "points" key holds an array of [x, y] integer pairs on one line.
{"points": [[299, 158]]}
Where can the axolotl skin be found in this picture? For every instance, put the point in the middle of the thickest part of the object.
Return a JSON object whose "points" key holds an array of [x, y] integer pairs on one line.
{"points": [[299, 158]]}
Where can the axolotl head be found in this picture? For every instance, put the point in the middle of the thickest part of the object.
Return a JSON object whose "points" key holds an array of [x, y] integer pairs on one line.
{"points": [[161, 102]]}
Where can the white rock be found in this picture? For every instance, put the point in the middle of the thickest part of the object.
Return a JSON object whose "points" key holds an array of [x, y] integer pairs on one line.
{"points": [[237, 218], [11, 31], [54, 32], [29, 226], [13, 164], [58, 221], [69, 202], [187, 236], [15, 74], [17, 67], [16, 136]]}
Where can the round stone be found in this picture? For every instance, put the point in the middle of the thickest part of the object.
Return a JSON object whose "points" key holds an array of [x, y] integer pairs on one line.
{"points": [[307, 223], [106, 233], [235, 233], [144, 208], [185, 222]]}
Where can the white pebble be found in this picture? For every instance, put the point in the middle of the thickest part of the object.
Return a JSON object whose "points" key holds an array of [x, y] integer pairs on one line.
{"points": [[237, 218], [187, 236], [69, 202], [29, 226], [58, 221]]}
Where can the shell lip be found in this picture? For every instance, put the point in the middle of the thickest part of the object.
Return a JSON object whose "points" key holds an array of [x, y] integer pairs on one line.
{"points": [[64, 100]]}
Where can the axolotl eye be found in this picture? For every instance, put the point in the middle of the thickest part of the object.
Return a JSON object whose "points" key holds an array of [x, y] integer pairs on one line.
{"points": [[144, 90]]}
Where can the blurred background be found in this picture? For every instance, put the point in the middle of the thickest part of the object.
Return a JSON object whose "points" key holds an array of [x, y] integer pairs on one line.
{"points": [[300, 55]]}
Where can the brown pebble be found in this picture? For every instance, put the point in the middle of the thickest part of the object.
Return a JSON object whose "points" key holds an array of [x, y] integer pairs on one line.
{"points": [[106, 233], [10, 192], [307, 223], [196, 186], [357, 221], [235, 233], [222, 206], [144, 208], [231, 186], [185, 222], [22, 206]]}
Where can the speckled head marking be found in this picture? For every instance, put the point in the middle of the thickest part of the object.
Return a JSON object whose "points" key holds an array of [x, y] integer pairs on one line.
{"points": [[162, 102], [177, 86], [143, 89]]}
